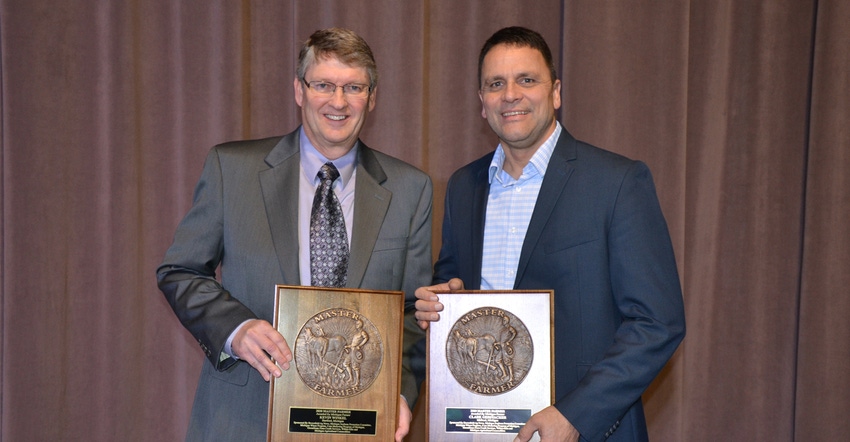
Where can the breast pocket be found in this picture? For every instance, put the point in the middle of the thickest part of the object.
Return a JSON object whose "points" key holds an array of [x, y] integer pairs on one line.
{"points": [[562, 259], [569, 241]]}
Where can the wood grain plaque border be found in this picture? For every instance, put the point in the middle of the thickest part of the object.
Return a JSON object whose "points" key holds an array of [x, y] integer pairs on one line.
{"points": [[297, 411]]}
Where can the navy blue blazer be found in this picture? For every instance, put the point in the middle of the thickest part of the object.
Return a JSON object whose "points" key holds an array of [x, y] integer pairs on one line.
{"points": [[597, 237]]}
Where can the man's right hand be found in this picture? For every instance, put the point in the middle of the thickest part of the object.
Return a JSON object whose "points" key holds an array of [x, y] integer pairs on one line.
{"points": [[259, 344], [428, 303]]}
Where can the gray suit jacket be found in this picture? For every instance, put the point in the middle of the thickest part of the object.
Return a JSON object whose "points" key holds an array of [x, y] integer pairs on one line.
{"points": [[245, 218]]}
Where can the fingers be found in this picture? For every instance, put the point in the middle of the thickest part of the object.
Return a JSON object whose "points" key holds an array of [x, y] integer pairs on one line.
{"points": [[260, 345], [550, 424], [427, 293], [404, 418], [278, 350], [426, 311], [455, 284], [531, 426], [428, 303], [527, 430]]}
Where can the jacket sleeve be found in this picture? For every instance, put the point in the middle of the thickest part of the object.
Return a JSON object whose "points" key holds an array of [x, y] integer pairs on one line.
{"points": [[187, 274], [647, 294], [417, 273]]}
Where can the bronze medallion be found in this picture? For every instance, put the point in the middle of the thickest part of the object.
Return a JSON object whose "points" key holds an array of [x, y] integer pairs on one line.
{"points": [[338, 353], [489, 351]]}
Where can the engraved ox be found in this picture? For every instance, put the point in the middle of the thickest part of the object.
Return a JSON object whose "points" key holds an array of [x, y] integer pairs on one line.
{"points": [[468, 346], [318, 346]]}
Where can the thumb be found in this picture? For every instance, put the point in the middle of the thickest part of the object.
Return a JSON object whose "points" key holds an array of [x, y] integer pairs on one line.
{"points": [[525, 433]]}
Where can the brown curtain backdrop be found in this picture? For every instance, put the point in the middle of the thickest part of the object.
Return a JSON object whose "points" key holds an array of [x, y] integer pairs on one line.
{"points": [[741, 110]]}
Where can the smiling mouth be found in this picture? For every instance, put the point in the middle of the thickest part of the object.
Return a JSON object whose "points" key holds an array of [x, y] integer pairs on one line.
{"points": [[514, 113], [336, 117]]}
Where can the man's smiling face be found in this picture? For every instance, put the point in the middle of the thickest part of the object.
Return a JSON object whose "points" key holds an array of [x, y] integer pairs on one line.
{"points": [[518, 97], [333, 123]]}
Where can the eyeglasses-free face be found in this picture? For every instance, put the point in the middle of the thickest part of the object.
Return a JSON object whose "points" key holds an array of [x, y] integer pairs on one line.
{"points": [[518, 97], [334, 104]]}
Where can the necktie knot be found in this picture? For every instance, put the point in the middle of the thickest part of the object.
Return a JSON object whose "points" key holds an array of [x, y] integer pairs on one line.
{"points": [[328, 172]]}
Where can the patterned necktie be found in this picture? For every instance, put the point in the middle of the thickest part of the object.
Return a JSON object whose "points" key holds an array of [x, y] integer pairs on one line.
{"points": [[328, 240]]}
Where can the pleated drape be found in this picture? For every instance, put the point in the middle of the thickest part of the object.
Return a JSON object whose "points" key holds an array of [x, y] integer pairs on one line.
{"points": [[740, 109]]}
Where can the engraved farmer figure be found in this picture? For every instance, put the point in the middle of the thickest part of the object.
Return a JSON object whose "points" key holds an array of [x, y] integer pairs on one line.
{"points": [[504, 351], [354, 353]]}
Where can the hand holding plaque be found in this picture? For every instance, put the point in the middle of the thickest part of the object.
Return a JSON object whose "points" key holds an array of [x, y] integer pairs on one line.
{"points": [[347, 358]]}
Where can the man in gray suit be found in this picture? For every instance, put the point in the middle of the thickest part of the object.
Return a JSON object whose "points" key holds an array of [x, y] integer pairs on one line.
{"points": [[251, 216]]}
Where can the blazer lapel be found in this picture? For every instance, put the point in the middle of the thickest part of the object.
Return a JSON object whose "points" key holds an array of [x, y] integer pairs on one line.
{"points": [[371, 202], [554, 184], [280, 194]]}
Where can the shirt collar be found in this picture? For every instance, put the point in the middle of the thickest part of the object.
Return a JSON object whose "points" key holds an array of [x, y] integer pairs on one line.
{"points": [[312, 161], [539, 161]]}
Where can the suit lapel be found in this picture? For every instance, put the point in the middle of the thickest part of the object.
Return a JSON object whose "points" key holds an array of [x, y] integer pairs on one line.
{"points": [[554, 185], [280, 195], [371, 202]]}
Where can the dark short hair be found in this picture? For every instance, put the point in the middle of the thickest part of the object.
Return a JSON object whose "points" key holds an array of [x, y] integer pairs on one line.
{"points": [[522, 37], [339, 43]]}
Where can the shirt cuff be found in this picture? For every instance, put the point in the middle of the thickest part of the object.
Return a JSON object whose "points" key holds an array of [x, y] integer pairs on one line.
{"points": [[227, 345]]}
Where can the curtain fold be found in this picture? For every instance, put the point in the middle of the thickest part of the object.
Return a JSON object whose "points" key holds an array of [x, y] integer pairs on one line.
{"points": [[747, 107], [823, 358], [107, 110]]}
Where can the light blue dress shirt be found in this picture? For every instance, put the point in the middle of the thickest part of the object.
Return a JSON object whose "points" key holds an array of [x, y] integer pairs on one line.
{"points": [[510, 205]]}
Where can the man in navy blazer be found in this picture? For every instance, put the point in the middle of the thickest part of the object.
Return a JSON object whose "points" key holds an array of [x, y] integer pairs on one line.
{"points": [[589, 227], [251, 216]]}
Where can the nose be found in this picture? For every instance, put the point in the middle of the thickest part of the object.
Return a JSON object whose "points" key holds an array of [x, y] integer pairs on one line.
{"points": [[338, 99], [512, 91]]}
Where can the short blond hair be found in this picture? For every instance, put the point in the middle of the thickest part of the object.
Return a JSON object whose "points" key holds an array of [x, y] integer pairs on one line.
{"points": [[339, 43]]}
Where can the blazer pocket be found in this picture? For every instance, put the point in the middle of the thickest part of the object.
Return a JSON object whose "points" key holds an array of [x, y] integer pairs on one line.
{"points": [[390, 243], [236, 374], [569, 242]]}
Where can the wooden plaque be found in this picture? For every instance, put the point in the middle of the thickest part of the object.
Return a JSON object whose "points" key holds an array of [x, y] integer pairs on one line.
{"points": [[490, 364], [345, 378]]}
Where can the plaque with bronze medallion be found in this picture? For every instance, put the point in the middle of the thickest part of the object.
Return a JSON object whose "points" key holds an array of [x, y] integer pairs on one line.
{"points": [[344, 380], [489, 364], [339, 352]]}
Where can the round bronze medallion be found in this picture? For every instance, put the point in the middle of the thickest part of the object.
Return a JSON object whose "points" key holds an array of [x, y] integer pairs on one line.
{"points": [[338, 353], [489, 351]]}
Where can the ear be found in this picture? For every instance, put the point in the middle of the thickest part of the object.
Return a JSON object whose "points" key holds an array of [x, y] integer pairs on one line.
{"points": [[556, 94], [483, 111], [298, 87], [373, 96]]}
